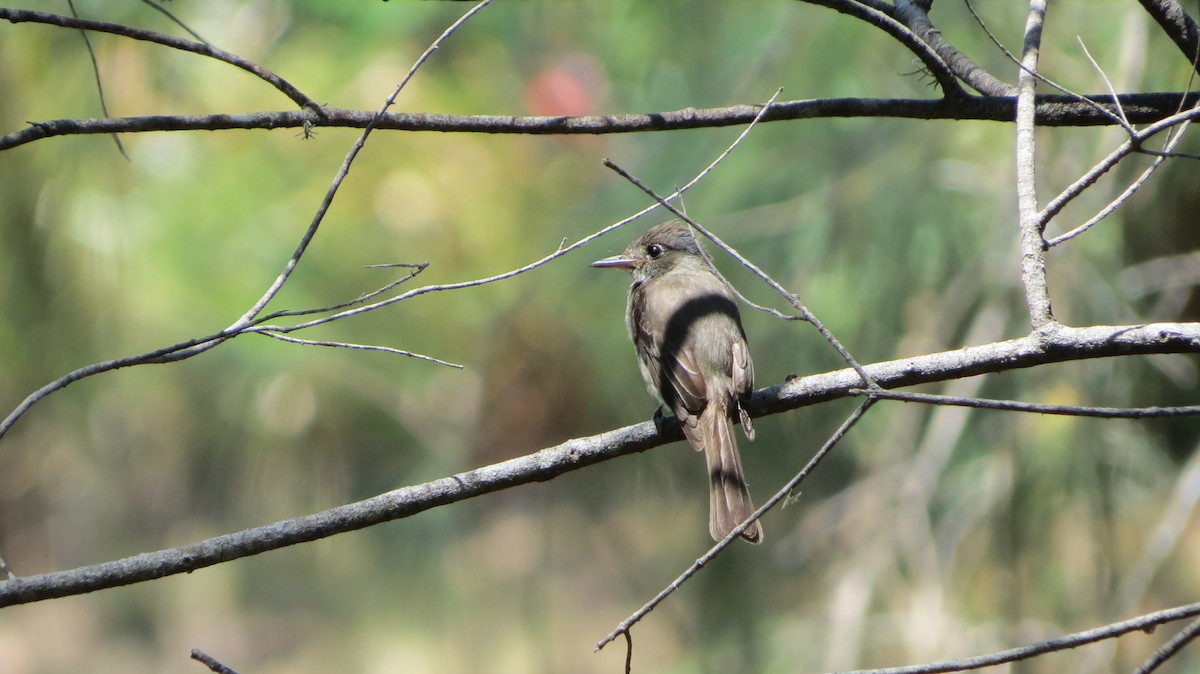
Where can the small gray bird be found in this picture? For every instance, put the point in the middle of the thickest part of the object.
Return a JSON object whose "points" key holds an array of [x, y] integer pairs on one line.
{"points": [[691, 347]]}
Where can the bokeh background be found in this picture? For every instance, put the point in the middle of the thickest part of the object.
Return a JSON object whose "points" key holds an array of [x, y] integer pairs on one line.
{"points": [[928, 534]]}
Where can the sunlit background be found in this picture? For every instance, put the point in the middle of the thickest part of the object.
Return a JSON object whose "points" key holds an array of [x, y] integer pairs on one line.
{"points": [[928, 534]]}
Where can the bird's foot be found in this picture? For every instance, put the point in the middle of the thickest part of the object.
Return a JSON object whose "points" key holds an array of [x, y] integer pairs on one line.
{"points": [[658, 419]]}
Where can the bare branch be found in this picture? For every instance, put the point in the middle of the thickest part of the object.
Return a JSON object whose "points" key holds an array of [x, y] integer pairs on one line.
{"points": [[1080, 98], [782, 493], [99, 85], [1057, 345], [1145, 623], [915, 17], [1089, 178], [249, 320], [1169, 649], [360, 347], [561, 250], [1112, 91], [1035, 408], [176, 20], [1033, 260], [209, 661], [879, 14], [24, 15], [1052, 110], [1178, 26], [344, 170], [404, 502], [193, 347]]}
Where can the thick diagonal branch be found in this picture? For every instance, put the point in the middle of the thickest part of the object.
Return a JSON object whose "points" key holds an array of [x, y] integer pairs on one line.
{"points": [[1059, 344], [1178, 26]]}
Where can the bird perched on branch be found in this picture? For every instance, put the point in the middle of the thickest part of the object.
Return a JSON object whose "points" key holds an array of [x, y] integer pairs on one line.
{"points": [[685, 326]]}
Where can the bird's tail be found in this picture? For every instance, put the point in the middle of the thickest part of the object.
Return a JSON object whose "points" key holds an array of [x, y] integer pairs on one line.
{"points": [[729, 501]]}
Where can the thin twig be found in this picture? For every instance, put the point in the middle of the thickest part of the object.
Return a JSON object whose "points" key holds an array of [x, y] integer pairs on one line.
{"points": [[1145, 623], [417, 268], [24, 15], [249, 321], [1055, 205], [198, 345], [1089, 101], [1125, 194], [628, 652], [1035, 408], [210, 662], [99, 84], [782, 493], [360, 347], [1108, 83], [558, 252], [176, 20]]}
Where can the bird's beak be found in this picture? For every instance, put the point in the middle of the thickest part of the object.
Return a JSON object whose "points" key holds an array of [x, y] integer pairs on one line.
{"points": [[616, 261]]}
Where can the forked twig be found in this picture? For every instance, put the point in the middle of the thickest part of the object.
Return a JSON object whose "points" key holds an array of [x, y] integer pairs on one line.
{"points": [[1181, 119], [249, 321], [1169, 649], [192, 347], [834, 439], [345, 169], [560, 250]]}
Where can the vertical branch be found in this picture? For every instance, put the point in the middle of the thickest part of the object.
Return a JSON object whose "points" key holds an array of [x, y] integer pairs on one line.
{"points": [[1033, 246]]}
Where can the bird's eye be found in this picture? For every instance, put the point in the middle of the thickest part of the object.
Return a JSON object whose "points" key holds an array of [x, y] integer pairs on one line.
{"points": [[654, 250]]}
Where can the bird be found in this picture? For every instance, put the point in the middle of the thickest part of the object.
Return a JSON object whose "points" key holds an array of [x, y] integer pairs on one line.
{"points": [[691, 349]]}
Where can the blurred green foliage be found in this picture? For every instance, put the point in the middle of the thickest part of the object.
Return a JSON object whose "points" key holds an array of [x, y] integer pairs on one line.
{"points": [[930, 533]]}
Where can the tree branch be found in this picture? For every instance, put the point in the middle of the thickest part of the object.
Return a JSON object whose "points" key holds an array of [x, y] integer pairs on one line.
{"points": [[1033, 258], [881, 16], [1052, 110], [627, 624], [914, 16], [1178, 26], [1143, 623], [25, 15], [1060, 344]]}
